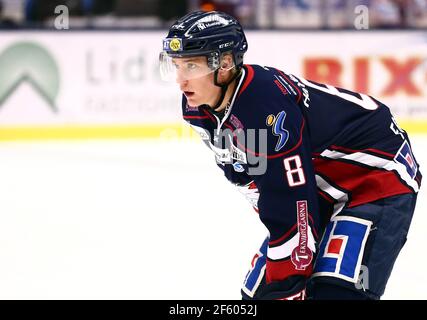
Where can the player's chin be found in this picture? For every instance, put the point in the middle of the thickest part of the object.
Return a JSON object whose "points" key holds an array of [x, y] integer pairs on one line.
{"points": [[192, 102]]}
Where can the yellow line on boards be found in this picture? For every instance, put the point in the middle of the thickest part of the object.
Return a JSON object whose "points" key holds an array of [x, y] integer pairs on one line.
{"points": [[165, 131], [413, 126], [161, 131]]}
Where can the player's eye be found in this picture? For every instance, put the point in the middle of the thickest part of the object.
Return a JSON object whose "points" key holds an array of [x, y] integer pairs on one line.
{"points": [[191, 66]]}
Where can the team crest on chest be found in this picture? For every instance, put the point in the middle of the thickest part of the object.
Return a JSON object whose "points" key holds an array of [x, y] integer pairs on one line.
{"points": [[277, 127]]}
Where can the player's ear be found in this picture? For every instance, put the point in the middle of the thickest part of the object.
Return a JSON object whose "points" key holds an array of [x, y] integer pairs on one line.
{"points": [[227, 62], [226, 65]]}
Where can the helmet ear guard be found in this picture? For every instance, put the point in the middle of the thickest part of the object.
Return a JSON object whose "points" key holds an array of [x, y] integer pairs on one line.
{"points": [[213, 60], [216, 60]]}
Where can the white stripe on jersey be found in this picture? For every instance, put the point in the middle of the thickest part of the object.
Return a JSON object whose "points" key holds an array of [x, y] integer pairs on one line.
{"points": [[338, 195], [374, 161], [285, 249]]}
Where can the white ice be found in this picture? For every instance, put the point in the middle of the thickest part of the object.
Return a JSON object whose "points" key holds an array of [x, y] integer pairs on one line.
{"points": [[138, 219]]}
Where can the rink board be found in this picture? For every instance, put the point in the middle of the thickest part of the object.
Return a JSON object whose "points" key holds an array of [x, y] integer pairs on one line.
{"points": [[79, 85]]}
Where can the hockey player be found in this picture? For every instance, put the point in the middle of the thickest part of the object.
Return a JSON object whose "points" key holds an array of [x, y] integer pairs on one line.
{"points": [[329, 171]]}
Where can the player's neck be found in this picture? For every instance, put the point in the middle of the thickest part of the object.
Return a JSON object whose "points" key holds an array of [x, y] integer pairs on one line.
{"points": [[227, 98]]}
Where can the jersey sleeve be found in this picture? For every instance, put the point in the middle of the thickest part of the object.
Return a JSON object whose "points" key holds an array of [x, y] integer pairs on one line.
{"points": [[287, 203]]}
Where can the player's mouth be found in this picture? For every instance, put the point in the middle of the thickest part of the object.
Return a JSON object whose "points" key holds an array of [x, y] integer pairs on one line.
{"points": [[188, 94]]}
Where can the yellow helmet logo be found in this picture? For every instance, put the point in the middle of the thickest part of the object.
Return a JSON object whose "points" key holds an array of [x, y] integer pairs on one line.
{"points": [[175, 44]]}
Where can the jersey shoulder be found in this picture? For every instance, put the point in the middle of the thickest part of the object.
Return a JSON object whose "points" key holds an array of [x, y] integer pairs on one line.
{"points": [[264, 104], [268, 82]]}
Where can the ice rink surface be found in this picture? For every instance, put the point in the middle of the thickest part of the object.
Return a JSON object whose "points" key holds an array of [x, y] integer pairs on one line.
{"points": [[138, 219]]}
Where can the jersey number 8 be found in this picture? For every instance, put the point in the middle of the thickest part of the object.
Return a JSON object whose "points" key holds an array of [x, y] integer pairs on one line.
{"points": [[294, 171]]}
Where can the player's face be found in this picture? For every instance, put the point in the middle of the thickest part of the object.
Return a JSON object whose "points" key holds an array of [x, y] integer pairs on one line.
{"points": [[199, 88]]}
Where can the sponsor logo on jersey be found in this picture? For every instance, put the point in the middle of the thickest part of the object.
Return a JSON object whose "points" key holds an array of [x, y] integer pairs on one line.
{"points": [[237, 154], [189, 108], [238, 167], [302, 256], [277, 123], [236, 122], [289, 87], [281, 87], [286, 85]]}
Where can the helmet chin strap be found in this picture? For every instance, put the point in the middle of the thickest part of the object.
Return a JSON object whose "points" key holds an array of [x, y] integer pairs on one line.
{"points": [[224, 87]]}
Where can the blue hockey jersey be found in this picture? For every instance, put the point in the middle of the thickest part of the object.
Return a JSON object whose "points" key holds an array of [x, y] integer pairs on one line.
{"points": [[301, 152]]}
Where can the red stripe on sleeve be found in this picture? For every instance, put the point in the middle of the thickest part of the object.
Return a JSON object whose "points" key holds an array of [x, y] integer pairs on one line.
{"points": [[365, 184]]}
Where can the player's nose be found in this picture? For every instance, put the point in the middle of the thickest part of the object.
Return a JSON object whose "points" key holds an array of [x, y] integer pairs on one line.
{"points": [[181, 81]]}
